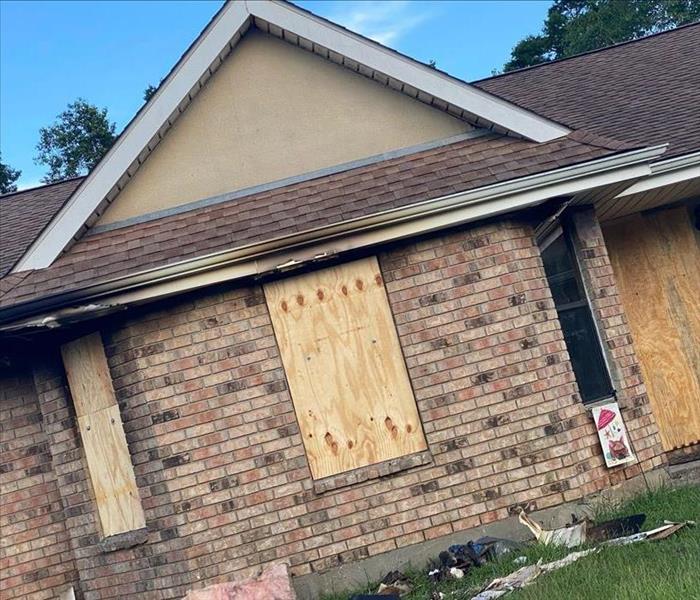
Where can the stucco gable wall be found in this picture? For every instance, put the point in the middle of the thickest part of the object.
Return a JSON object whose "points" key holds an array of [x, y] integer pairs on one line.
{"points": [[272, 111]]}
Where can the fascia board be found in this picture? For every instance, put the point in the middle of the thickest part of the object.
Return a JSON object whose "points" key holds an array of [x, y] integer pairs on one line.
{"points": [[667, 172]]}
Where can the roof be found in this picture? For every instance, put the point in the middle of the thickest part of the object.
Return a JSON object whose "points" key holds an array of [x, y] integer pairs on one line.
{"points": [[24, 214], [399, 182], [646, 91], [211, 48], [641, 93]]}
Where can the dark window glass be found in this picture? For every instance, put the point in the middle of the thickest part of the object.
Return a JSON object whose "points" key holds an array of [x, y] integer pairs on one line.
{"points": [[576, 320]]}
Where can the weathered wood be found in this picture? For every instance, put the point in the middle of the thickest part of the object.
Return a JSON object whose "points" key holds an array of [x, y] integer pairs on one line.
{"points": [[104, 443], [88, 374], [656, 260], [111, 472], [346, 372]]}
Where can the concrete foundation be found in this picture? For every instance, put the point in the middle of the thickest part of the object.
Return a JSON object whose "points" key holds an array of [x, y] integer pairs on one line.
{"points": [[361, 573]]}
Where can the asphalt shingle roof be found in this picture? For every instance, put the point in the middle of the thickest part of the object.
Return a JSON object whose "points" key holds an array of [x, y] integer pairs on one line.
{"points": [[399, 182], [24, 214], [635, 94], [644, 92]]}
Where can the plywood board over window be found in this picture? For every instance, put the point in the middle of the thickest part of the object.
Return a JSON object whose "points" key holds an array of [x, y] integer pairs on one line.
{"points": [[656, 260], [104, 443], [346, 372]]}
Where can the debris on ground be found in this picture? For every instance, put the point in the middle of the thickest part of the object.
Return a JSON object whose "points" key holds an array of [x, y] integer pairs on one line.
{"points": [[571, 536], [458, 559], [526, 575], [272, 584], [660, 533], [395, 583], [615, 528], [581, 532]]}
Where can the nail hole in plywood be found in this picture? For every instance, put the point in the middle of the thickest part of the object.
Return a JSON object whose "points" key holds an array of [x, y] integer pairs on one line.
{"points": [[331, 442], [378, 279], [319, 294], [350, 444], [393, 429]]}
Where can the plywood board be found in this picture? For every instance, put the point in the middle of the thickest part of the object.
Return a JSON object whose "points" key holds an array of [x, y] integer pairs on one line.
{"points": [[104, 443], [346, 372], [656, 262], [111, 472], [88, 374]]}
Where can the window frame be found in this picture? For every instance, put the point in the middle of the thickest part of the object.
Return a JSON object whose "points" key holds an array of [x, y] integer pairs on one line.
{"points": [[544, 241]]}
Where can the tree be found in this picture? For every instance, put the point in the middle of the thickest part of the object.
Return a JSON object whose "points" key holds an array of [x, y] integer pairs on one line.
{"points": [[148, 92], [77, 140], [575, 26], [8, 177]]}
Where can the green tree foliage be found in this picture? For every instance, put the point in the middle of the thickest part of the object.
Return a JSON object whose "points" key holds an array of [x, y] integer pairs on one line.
{"points": [[575, 26], [148, 92], [77, 140], [8, 177]]}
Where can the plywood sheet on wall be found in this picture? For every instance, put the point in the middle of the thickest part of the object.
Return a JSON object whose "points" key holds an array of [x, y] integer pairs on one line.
{"points": [[104, 443], [346, 372], [111, 472], [656, 261], [88, 374]]}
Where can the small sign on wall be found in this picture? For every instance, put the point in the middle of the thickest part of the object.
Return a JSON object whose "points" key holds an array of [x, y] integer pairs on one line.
{"points": [[612, 434]]}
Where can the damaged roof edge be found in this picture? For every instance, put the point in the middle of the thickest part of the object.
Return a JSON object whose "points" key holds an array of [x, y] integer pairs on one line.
{"points": [[282, 253]]}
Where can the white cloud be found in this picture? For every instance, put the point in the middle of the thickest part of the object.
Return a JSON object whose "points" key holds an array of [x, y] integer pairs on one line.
{"points": [[384, 21]]}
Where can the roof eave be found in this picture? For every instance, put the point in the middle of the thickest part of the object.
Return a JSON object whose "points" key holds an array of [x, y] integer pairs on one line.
{"points": [[289, 251]]}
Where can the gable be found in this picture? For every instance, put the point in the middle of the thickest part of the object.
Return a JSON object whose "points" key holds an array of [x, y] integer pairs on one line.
{"points": [[273, 111], [201, 61]]}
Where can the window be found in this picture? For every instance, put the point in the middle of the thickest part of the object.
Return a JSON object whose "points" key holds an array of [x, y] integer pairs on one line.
{"points": [[576, 319], [345, 369]]}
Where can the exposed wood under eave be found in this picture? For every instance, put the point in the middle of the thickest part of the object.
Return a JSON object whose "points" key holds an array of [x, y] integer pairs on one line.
{"points": [[578, 181]]}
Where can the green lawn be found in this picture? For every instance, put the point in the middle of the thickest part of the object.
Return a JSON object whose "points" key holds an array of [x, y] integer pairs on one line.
{"points": [[664, 570]]}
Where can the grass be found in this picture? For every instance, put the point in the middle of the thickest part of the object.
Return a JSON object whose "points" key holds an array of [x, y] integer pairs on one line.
{"points": [[663, 570]]}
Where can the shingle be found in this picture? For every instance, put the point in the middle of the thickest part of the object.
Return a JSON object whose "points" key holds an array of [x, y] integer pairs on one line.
{"points": [[23, 215], [643, 92], [460, 166]]}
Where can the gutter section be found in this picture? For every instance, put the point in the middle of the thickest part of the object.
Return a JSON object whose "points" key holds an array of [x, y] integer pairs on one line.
{"points": [[286, 252], [668, 172]]}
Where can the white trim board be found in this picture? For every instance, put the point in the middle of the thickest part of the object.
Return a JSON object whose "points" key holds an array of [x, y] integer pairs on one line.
{"points": [[667, 172], [201, 60]]}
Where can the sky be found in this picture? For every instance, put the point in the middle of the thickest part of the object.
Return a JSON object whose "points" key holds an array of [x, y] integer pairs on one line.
{"points": [[108, 52]]}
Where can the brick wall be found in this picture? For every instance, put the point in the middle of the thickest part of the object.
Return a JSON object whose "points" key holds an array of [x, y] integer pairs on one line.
{"points": [[217, 453], [617, 342], [35, 557]]}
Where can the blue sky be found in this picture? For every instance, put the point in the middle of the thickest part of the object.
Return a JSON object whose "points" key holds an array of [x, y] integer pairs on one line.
{"points": [[108, 52]]}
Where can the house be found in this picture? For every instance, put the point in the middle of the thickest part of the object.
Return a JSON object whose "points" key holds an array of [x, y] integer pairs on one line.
{"points": [[326, 305]]}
